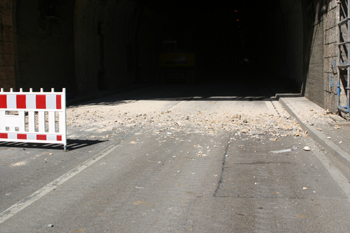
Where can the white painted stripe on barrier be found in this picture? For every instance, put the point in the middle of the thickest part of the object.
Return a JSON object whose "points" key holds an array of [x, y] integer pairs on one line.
{"points": [[51, 102], [31, 136], [11, 101], [12, 136], [51, 137], [30, 102]]}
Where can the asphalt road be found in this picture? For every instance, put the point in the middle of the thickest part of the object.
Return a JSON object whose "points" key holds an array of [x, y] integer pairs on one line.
{"points": [[174, 179]]}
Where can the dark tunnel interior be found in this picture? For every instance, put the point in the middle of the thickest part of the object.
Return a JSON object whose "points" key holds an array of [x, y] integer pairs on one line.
{"points": [[232, 40], [94, 45]]}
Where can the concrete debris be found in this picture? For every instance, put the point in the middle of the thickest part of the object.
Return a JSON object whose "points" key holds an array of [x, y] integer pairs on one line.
{"points": [[112, 121]]}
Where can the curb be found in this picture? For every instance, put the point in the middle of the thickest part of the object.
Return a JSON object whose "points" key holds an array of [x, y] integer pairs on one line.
{"points": [[319, 137]]}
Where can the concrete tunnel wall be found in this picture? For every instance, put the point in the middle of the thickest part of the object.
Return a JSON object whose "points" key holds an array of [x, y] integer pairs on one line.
{"points": [[91, 45]]}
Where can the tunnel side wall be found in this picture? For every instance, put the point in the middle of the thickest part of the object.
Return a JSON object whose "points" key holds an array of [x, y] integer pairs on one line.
{"points": [[330, 57], [44, 43], [103, 30], [7, 47], [115, 44], [320, 52], [313, 86]]}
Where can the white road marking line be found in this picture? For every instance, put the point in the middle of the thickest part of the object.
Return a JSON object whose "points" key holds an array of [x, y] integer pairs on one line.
{"points": [[11, 211]]}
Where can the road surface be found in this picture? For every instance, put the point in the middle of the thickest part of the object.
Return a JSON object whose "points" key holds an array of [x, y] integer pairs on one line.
{"points": [[205, 158]]}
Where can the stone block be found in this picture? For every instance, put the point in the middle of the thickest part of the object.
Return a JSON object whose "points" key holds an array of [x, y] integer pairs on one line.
{"points": [[331, 50], [330, 19], [331, 36], [6, 3], [2, 61], [7, 72], [6, 15], [332, 4], [9, 59], [6, 32], [329, 64], [8, 47], [8, 83]]}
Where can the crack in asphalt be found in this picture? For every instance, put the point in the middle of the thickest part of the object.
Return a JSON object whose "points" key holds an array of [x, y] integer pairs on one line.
{"points": [[223, 166]]}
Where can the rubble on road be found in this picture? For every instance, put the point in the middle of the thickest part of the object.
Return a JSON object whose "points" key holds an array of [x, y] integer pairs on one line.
{"points": [[112, 119]]}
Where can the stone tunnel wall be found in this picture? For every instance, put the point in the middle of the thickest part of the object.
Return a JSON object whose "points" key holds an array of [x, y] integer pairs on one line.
{"points": [[330, 57], [320, 52], [313, 86], [7, 49], [115, 44], [44, 43]]}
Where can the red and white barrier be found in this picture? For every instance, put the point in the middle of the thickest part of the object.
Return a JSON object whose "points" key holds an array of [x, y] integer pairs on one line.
{"points": [[38, 117]]}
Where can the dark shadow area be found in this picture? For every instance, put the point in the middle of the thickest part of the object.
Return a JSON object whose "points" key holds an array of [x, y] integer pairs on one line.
{"points": [[72, 144], [223, 89]]}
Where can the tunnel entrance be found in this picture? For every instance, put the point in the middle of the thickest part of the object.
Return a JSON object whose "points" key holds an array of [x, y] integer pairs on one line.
{"points": [[232, 41], [94, 45]]}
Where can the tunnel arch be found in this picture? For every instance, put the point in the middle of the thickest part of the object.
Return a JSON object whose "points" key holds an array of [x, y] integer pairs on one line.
{"points": [[94, 45]]}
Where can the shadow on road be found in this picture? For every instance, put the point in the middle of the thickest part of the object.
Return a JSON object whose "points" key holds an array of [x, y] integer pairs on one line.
{"points": [[220, 90], [73, 144]]}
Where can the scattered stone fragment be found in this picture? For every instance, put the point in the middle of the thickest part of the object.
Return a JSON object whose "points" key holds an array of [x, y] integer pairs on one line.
{"points": [[319, 129], [306, 148], [281, 151], [304, 188], [273, 139]]}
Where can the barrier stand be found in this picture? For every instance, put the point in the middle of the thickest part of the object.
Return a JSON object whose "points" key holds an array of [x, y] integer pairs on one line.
{"points": [[33, 117]]}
